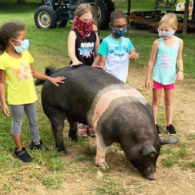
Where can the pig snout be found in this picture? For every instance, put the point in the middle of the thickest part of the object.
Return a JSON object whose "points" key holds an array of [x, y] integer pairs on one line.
{"points": [[149, 173]]}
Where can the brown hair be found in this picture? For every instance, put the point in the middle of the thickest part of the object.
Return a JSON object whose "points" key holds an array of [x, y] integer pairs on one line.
{"points": [[7, 31], [169, 20], [116, 15]]}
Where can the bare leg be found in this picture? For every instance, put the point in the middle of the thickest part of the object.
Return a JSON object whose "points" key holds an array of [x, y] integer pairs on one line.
{"points": [[155, 102], [101, 153], [168, 105], [18, 142]]}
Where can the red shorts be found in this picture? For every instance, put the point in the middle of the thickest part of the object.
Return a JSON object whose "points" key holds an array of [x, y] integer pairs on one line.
{"points": [[160, 86]]}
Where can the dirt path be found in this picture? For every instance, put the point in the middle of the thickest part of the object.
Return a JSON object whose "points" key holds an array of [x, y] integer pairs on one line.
{"points": [[172, 180]]}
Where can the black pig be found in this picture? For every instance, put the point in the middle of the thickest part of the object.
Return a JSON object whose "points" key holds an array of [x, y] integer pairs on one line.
{"points": [[118, 113]]}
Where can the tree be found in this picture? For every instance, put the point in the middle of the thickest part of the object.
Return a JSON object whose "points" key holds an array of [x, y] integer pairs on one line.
{"points": [[185, 21]]}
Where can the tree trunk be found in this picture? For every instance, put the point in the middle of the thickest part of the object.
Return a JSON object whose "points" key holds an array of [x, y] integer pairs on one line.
{"points": [[96, 11], [185, 21]]}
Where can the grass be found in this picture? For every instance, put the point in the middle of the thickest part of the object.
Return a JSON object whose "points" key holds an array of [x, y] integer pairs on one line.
{"points": [[50, 169], [108, 186]]}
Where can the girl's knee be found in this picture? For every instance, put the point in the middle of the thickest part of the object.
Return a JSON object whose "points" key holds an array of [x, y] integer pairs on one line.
{"points": [[168, 103], [16, 128], [155, 102]]}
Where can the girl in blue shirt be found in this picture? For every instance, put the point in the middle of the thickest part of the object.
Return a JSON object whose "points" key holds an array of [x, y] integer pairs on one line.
{"points": [[166, 53]]}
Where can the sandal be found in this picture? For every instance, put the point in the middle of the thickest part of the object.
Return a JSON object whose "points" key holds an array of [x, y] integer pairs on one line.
{"points": [[91, 131], [23, 155], [82, 130]]}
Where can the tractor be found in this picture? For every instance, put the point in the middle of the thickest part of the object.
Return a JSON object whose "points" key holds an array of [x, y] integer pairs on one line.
{"points": [[57, 13]]}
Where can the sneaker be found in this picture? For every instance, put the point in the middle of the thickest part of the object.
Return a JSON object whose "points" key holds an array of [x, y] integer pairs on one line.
{"points": [[91, 131], [23, 155], [158, 129], [34, 146], [82, 130], [171, 130]]}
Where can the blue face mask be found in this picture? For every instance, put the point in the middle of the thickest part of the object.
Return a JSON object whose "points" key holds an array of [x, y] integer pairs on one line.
{"points": [[119, 33], [22, 47]]}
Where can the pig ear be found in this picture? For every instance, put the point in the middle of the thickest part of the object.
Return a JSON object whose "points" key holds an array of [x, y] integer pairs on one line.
{"points": [[148, 149], [165, 140]]}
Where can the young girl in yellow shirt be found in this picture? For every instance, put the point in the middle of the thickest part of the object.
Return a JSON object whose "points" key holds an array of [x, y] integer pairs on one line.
{"points": [[17, 71]]}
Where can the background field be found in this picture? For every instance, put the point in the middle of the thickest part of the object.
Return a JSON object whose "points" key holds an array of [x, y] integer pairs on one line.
{"points": [[51, 172]]}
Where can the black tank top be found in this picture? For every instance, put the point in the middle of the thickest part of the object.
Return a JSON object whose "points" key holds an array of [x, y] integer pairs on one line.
{"points": [[85, 48]]}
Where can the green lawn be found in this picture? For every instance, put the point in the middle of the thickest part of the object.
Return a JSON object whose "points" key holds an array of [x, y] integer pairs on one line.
{"points": [[49, 48]]}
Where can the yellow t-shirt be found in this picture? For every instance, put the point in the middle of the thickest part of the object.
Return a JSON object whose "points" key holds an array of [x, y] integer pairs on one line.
{"points": [[19, 78]]}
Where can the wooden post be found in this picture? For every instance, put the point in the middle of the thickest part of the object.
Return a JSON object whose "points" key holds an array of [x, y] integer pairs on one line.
{"points": [[193, 10], [185, 20], [129, 7]]}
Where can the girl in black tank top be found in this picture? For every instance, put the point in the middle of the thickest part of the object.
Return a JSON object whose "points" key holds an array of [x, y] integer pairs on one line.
{"points": [[83, 44], [85, 48]]}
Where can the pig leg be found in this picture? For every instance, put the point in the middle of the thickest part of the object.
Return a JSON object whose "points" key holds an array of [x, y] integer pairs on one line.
{"points": [[57, 123], [73, 129], [101, 152]]}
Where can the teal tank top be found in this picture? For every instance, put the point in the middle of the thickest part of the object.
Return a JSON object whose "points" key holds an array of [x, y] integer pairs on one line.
{"points": [[164, 70]]}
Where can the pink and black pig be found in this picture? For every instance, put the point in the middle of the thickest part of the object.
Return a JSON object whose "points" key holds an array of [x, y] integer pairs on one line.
{"points": [[117, 111]]}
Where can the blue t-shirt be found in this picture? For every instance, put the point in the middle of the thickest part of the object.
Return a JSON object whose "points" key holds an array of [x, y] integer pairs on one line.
{"points": [[164, 71], [117, 56]]}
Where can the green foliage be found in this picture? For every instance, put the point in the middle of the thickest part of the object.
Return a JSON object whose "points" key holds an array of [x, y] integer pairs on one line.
{"points": [[173, 155], [108, 186], [89, 151]]}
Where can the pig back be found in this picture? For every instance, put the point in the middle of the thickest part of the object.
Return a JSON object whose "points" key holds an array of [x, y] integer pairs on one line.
{"points": [[77, 94]]}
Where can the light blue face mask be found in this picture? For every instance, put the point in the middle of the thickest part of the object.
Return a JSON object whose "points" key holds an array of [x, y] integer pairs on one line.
{"points": [[119, 33], [22, 47]]}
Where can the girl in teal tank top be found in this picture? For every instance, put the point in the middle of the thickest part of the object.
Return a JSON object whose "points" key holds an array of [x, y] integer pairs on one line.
{"points": [[165, 55]]}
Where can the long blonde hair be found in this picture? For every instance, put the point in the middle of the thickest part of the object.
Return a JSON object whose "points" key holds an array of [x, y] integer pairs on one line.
{"points": [[82, 9], [169, 20]]}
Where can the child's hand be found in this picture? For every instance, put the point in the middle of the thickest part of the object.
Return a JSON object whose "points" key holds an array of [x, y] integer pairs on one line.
{"points": [[147, 83], [5, 110], [57, 80], [95, 65], [133, 56], [76, 63], [180, 76], [102, 67]]}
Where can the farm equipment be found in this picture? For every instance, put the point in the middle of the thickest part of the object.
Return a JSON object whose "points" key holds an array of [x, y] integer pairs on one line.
{"points": [[150, 20], [144, 18], [165, 4], [57, 13]]}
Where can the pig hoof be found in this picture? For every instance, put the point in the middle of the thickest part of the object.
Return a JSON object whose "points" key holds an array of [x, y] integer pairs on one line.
{"points": [[64, 152], [103, 165], [73, 139]]}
